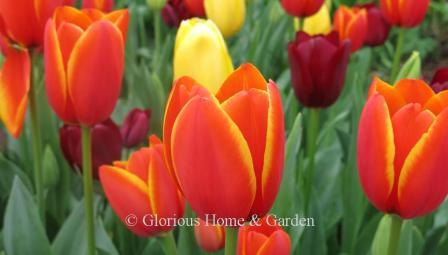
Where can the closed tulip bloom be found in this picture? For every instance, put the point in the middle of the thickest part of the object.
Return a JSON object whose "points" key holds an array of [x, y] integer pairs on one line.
{"points": [[201, 41], [143, 187], [404, 13], [301, 8], [265, 237], [135, 127], [377, 27], [228, 15], [196, 7], [84, 62], [318, 66], [319, 23], [440, 80], [402, 146], [210, 238], [102, 5], [351, 23], [226, 150], [174, 12], [106, 145]]}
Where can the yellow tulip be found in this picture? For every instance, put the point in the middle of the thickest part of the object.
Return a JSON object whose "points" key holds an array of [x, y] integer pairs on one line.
{"points": [[201, 53], [228, 15], [319, 23]]}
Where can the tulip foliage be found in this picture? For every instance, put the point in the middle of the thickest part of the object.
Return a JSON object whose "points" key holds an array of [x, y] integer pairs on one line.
{"points": [[229, 127]]}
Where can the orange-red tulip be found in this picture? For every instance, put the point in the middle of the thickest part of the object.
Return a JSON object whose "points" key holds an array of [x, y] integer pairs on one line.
{"points": [[102, 5], [226, 150], [142, 191], [351, 23], [402, 147], [404, 13], [84, 62], [263, 237], [210, 238], [301, 8]]}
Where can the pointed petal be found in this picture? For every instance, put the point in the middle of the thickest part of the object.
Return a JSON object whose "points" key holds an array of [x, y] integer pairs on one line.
{"points": [[68, 35], [138, 163], [71, 15], [278, 243], [121, 19], [414, 91], [438, 102], [393, 99]]}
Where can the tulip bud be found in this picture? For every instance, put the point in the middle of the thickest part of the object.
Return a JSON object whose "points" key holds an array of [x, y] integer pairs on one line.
{"points": [[106, 144], [377, 26], [302, 8], [440, 80], [156, 5], [319, 23], [318, 66], [196, 7], [200, 41], [351, 23], [210, 238], [404, 13], [402, 145], [174, 12], [263, 237], [102, 5], [50, 167], [143, 189], [228, 15], [135, 127]]}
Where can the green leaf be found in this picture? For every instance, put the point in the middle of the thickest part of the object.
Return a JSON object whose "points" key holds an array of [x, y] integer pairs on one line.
{"points": [[8, 170], [381, 240], [412, 68], [50, 167], [23, 230]]}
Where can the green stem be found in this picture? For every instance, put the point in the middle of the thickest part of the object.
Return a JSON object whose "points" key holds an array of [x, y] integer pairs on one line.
{"points": [[231, 238], [37, 147], [394, 236], [312, 131], [157, 38], [397, 55], [88, 187], [168, 244]]}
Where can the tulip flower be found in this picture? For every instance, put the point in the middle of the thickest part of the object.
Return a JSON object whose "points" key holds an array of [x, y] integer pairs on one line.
{"points": [[228, 15], [102, 5], [143, 187], [201, 53], [402, 145], [351, 23], [440, 80], [404, 13], [319, 23], [135, 127], [106, 144], [226, 150], [377, 27], [210, 238], [318, 66], [174, 12], [196, 7], [263, 237], [301, 8], [84, 62]]}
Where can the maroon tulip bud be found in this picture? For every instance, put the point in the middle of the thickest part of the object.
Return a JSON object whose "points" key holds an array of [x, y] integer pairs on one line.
{"points": [[174, 12], [377, 27], [318, 66], [302, 8], [440, 80], [135, 127], [106, 144]]}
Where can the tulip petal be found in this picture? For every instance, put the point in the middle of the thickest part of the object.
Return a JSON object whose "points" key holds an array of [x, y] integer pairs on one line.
{"points": [[95, 72], [71, 15], [21, 22], [376, 151], [121, 19], [68, 35], [438, 102], [278, 243], [254, 241], [393, 98], [138, 163], [14, 86], [422, 185], [212, 161], [414, 91]]}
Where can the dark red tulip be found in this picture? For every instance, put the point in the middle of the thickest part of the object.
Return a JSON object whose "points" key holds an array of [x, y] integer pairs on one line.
{"points": [[377, 27], [106, 144], [318, 66], [174, 12], [302, 8], [135, 127], [440, 80]]}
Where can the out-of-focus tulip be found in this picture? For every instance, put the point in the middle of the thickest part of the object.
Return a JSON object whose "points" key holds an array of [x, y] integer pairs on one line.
{"points": [[319, 23], [102, 5], [174, 12], [440, 80], [318, 66], [351, 23], [84, 62], [156, 4], [69, 2], [264, 237], [229, 146], [14, 87], [135, 127], [377, 26], [228, 15], [404, 13], [302, 8], [402, 146], [196, 7], [201, 53], [143, 187], [210, 238], [106, 144]]}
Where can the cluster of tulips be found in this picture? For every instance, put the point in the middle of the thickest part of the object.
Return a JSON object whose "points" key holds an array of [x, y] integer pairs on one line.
{"points": [[222, 151]]}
